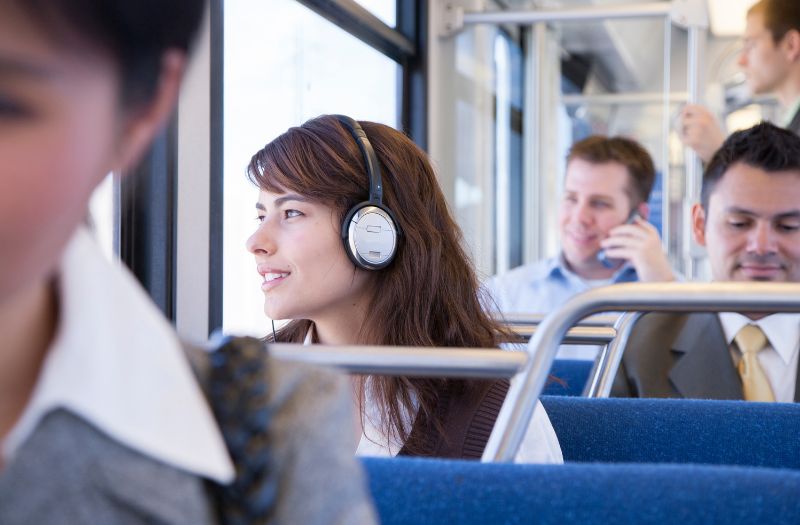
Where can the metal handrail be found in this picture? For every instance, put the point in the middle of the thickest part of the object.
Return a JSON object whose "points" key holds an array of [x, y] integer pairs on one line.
{"points": [[577, 335], [605, 368], [570, 14], [521, 319], [407, 360], [517, 410], [430, 361]]}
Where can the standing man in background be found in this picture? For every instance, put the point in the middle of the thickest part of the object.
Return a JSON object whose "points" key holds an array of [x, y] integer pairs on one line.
{"points": [[770, 59]]}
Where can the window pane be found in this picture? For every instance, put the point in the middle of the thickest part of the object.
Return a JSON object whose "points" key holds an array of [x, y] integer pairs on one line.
{"points": [[283, 65], [386, 10]]}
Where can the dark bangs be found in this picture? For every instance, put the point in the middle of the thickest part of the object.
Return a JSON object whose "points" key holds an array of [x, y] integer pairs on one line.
{"points": [[301, 161]]}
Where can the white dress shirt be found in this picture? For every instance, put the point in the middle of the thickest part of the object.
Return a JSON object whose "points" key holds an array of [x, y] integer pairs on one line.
{"points": [[539, 445], [117, 363], [779, 358], [789, 113]]}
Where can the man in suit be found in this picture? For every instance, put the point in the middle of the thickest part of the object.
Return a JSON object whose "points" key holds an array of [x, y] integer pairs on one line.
{"points": [[749, 221], [770, 60]]}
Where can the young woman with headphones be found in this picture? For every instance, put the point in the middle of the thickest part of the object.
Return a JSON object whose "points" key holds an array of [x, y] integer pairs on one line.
{"points": [[356, 245]]}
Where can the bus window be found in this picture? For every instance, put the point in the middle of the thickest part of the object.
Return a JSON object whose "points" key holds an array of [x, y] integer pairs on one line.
{"points": [[284, 64], [386, 10]]}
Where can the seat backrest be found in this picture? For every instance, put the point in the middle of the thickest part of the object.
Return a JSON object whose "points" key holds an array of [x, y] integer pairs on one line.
{"points": [[677, 431], [414, 491], [567, 377]]}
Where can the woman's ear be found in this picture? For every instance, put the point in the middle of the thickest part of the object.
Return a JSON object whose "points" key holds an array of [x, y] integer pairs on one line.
{"points": [[143, 123]]}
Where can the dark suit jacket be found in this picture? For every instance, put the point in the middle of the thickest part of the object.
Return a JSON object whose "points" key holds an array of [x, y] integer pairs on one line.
{"points": [[681, 356]]}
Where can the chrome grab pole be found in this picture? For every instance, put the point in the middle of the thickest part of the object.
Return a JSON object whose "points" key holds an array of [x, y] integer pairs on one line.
{"points": [[602, 376], [573, 14], [406, 360], [513, 319], [429, 361], [520, 402], [577, 335]]}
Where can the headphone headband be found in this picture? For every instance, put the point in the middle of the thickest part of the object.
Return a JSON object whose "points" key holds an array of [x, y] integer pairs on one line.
{"points": [[370, 159]]}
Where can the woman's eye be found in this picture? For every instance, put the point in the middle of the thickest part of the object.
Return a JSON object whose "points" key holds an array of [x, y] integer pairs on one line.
{"points": [[291, 213], [260, 219]]}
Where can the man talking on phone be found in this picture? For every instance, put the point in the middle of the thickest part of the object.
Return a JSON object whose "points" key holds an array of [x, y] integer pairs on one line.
{"points": [[605, 236]]}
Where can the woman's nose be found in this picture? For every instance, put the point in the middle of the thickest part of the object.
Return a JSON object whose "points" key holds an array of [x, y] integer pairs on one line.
{"points": [[261, 242]]}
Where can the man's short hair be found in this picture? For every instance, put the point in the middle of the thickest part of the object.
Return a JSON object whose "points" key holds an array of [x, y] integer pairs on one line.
{"points": [[780, 16], [598, 149], [764, 146]]}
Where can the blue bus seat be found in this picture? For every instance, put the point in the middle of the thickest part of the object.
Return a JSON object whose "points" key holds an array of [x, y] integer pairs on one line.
{"points": [[677, 431], [568, 377], [420, 491]]}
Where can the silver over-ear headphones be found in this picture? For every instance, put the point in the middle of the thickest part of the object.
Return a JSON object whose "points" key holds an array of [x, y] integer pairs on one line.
{"points": [[369, 230]]}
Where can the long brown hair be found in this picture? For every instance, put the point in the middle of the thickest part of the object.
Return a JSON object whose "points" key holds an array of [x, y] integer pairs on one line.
{"points": [[429, 295]]}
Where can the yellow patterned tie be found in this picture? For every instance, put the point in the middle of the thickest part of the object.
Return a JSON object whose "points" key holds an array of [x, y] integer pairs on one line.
{"points": [[751, 340]]}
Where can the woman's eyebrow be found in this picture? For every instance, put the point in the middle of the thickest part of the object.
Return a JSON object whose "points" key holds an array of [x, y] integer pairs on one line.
{"points": [[291, 197], [280, 200]]}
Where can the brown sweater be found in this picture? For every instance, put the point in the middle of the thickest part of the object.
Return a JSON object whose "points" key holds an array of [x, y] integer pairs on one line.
{"points": [[466, 411]]}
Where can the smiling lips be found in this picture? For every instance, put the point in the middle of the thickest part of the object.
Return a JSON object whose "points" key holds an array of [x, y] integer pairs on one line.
{"points": [[757, 266], [272, 277], [760, 270], [582, 238]]}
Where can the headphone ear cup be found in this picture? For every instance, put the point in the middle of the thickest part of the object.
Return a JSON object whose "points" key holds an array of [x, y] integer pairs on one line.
{"points": [[369, 234]]}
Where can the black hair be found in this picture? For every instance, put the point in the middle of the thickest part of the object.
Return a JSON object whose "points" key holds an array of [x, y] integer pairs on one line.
{"points": [[135, 33], [763, 146]]}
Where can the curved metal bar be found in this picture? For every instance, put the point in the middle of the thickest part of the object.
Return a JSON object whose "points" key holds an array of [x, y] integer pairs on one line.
{"points": [[602, 377], [590, 12], [428, 361], [514, 319], [520, 402], [407, 361], [577, 335]]}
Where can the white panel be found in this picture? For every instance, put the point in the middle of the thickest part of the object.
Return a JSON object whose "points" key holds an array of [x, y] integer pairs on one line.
{"points": [[193, 194]]}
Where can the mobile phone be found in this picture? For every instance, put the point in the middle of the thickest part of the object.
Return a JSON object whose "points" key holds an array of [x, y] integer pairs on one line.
{"points": [[601, 255]]}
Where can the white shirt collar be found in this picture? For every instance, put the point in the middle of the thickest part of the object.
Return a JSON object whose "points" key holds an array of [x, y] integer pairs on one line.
{"points": [[118, 364], [791, 111], [782, 330]]}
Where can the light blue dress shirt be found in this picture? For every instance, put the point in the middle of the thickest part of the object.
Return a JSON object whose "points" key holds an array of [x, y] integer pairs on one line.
{"points": [[541, 287]]}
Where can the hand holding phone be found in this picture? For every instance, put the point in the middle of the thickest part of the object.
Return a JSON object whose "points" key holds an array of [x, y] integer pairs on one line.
{"points": [[601, 255]]}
